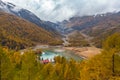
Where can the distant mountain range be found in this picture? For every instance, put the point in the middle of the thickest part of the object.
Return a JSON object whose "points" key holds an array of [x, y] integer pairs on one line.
{"points": [[95, 27]]}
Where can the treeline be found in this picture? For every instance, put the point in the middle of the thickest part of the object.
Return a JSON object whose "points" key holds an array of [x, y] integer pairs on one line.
{"points": [[105, 66]]}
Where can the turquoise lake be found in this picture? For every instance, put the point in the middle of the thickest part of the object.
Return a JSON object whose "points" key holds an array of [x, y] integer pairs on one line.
{"points": [[50, 53]]}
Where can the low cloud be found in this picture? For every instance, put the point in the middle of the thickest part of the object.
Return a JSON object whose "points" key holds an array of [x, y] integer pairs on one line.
{"points": [[58, 10]]}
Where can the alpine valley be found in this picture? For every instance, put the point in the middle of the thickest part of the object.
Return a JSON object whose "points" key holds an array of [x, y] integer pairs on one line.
{"points": [[79, 48], [80, 31]]}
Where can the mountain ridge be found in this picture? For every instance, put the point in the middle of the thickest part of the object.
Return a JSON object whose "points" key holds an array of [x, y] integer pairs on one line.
{"points": [[98, 27], [28, 15], [17, 33]]}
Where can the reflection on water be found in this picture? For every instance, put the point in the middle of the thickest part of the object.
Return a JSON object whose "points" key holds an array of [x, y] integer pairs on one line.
{"points": [[50, 53]]}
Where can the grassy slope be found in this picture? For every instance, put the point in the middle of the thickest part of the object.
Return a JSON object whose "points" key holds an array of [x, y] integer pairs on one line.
{"points": [[77, 39]]}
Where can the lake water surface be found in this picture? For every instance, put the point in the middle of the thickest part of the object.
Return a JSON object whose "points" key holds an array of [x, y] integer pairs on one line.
{"points": [[50, 53]]}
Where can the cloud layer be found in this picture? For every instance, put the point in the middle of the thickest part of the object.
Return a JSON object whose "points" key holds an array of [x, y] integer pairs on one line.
{"points": [[58, 10]]}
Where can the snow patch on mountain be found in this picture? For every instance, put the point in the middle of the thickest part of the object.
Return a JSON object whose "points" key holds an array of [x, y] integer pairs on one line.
{"points": [[9, 7], [16, 9], [28, 15]]}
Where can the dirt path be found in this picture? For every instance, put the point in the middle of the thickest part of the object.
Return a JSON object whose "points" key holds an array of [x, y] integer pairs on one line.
{"points": [[65, 40]]}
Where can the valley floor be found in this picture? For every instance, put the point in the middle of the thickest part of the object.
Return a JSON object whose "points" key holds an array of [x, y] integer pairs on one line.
{"points": [[85, 52]]}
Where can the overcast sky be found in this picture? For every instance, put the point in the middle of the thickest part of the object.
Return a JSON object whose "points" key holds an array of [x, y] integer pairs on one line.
{"points": [[58, 10]]}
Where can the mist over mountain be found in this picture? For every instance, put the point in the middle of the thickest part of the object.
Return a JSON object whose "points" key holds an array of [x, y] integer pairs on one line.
{"points": [[28, 15], [59, 10]]}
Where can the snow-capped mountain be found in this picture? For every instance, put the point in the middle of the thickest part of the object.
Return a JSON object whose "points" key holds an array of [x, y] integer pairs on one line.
{"points": [[8, 7], [26, 14]]}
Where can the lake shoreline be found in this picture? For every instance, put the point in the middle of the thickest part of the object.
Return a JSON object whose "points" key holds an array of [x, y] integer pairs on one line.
{"points": [[85, 52]]}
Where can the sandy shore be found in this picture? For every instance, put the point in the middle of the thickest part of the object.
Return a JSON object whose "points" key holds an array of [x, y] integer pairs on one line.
{"points": [[86, 52]]}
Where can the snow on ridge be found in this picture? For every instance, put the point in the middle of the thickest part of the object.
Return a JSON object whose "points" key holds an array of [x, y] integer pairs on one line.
{"points": [[3, 6], [8, 7], [16, 9]]}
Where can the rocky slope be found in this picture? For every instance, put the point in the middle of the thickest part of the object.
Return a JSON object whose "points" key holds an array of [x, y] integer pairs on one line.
{"points": [[97, 27]]}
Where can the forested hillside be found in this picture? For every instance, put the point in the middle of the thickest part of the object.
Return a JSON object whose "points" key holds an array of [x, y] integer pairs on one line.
{"points": [[104, 66], [17, 33]]}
